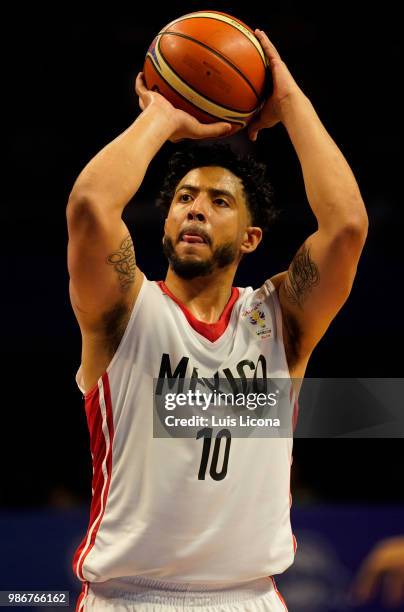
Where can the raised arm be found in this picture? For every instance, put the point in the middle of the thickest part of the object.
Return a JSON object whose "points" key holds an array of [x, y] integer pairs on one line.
{"points": [[104, 281], [320, 277]]}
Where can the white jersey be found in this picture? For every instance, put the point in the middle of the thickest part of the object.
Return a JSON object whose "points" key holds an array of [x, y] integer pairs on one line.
{"points": [[151, 515]]}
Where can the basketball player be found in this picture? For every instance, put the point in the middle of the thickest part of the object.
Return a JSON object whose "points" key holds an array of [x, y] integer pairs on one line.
{"points": [[166, 533]]}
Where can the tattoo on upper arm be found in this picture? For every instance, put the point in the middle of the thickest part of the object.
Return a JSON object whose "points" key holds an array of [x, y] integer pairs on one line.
{"points": [[302, 276], [124, 263]]}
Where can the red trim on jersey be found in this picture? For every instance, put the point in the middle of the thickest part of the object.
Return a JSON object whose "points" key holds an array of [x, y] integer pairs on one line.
{"points": [[210, 331], [82, 596], [295, 414], [278, 593], [294, 542], [101, 428]]}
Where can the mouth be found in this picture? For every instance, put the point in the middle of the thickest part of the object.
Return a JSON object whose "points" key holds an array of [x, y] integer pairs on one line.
{"points": [[191, 237]]}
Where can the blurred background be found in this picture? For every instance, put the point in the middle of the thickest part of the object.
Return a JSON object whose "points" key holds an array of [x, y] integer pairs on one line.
{"points": [[69, 75]]}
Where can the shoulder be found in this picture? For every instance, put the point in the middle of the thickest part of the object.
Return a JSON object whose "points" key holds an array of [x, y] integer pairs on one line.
{"points": [[278, 279]]}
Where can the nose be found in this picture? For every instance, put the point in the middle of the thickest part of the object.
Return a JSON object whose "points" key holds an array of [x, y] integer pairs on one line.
{"points": [[195, 216], [195, 212]]}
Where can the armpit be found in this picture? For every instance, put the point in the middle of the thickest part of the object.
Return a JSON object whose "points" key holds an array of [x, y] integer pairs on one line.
{"points": [[291, 338], [115, 322]]}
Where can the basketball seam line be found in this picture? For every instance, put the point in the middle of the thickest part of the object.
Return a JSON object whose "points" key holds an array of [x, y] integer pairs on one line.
{"points": [[235, 121], [195, 16], [218, 55], [235, 110]]}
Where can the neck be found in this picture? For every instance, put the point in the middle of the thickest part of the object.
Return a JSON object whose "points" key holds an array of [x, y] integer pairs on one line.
{"points": [[205, 296]]}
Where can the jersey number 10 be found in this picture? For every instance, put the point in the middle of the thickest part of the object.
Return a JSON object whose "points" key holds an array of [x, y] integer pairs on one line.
{"points": [[206, 434]]}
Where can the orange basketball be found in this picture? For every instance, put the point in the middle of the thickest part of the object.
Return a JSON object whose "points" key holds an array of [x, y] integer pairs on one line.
{"points": [[210, 65]]}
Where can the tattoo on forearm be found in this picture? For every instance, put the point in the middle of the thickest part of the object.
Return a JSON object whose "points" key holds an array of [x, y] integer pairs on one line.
{"points": [[302, 276], [124, 263]]}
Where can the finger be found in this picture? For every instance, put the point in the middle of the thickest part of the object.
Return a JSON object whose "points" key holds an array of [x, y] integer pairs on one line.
{"points": [[253, 128], [140, 86], [213, 130], [269, 48], [252, 134], [267, 44]]}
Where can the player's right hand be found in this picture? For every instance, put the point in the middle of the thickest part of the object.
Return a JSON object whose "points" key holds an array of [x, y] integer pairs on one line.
{"points": [[184, 125]]}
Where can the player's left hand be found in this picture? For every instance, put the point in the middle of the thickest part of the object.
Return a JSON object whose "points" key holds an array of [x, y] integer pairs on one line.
{"points": [[383, 567], [284, 87]]}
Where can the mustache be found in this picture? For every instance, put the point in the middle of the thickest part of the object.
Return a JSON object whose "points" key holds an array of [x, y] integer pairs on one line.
{"points": [[195, 229]]}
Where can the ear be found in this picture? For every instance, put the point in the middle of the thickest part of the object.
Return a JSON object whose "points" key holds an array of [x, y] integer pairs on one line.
{"points": [[252, 238]]}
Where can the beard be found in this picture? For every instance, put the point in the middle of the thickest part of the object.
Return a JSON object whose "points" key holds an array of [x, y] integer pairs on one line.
{"points": [[188, 269]]}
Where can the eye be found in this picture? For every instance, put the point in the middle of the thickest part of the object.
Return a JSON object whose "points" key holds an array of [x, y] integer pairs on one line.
{"points": [[182, 196], [221, 203]]}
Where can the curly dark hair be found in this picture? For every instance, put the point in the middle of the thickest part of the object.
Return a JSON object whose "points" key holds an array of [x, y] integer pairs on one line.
{"points": [[253, 174]]}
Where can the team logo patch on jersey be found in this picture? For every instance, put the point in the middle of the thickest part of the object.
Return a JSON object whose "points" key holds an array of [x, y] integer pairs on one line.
{"points": [[255, 315]]}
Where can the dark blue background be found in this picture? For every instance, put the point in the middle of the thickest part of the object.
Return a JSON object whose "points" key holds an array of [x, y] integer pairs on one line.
{"points": [[37, 548]]}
